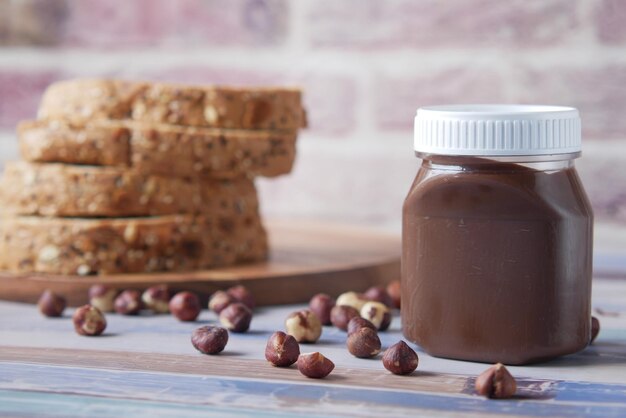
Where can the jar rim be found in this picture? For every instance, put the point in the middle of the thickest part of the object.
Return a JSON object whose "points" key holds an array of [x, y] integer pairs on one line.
{"points": [[502, 158]]}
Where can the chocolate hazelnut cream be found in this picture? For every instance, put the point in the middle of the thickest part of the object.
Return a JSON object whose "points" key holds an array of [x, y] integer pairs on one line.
{"points": [[497, 235]]}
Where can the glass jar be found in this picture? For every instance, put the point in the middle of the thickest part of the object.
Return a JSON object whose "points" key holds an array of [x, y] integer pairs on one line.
{"points": [[497, 235]]}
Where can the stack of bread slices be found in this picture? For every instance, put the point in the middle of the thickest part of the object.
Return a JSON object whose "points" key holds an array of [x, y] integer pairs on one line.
{"points": [[127, 177]]}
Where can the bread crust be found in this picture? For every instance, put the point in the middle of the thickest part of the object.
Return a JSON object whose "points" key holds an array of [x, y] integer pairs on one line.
{"points": [[86, 100]]}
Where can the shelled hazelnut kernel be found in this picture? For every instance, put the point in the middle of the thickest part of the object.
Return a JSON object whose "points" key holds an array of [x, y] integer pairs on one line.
{"points": [[357, 323], [364, 343], [89, 321], [128, 302], [353, 299], [304, 326], [321, 305], [220, 300], [185, 306], [341, 315], [378, 314], [50, 304], [315, 365], [394, 291], [400, 359], [378, 294], [209, 339], [496, 382], [102, 297], [243, 295], [236, 317], [157, 298], [282, 350]]}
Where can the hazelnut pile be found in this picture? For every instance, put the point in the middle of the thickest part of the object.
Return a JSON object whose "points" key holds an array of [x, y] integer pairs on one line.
{"points": [[234, 307], [361, 315]]}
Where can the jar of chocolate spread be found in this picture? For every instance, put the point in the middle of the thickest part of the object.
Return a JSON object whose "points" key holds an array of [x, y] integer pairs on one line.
{"points": [[497, 235]]}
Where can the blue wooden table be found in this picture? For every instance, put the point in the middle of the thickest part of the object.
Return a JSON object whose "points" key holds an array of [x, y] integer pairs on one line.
{"points": [[146, 366]]}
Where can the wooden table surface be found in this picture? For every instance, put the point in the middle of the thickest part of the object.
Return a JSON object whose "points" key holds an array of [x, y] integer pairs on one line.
{"points": [[146, 366]]}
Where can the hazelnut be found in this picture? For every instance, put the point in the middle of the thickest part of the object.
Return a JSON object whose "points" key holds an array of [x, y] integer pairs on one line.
{"points": [[394, 290], [356, 300], [400, 359], [157, 298], [88, 320], [209, 339], [378, 314], [341, 315], [357, 323], [496, 382], [102, 297], [304, 325], [595, 329], [315, 365], [364, 343], [321, 305], [236, 317], [243, 295], [220, 300], [282, 350], [50, 304], [185, 306], [379, 294], [128, 302]]}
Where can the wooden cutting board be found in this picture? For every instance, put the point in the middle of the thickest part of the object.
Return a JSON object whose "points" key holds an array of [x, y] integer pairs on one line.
{"points": [[306, 258]]}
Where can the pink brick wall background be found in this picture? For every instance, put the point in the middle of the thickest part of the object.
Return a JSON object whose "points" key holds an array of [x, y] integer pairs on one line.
{"points": [[365, 65]]}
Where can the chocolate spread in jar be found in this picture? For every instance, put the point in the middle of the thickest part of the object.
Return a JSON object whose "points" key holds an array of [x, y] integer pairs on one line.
{"points": [[496, 263]]}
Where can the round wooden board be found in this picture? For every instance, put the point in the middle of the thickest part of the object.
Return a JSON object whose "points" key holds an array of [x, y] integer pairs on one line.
{"points": [[306, 258]]}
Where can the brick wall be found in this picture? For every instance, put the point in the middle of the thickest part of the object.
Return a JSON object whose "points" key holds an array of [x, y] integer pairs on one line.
{"points": [[365, 65]]}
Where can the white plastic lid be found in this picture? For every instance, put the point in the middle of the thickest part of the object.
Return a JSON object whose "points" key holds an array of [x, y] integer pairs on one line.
{"points": [[497, 130]]}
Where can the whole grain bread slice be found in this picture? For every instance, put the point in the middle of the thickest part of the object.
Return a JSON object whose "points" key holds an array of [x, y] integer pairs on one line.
{"points": [[133, 245], [61, 142], [217, 153], [83, 100], [88, 191], [160, 149]]}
